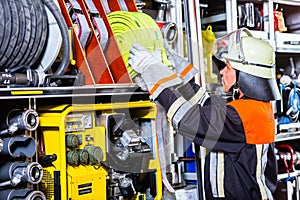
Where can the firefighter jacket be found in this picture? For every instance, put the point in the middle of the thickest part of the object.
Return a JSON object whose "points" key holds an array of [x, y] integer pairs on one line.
{"points": [[239, 140]]}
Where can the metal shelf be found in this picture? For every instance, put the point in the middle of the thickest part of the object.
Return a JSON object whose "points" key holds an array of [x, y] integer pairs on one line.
{"points": [[214, 18], [286, 175], [288, 2], [289, 131], [287, 42], [100, 93], [287, 136], [254, 1]]}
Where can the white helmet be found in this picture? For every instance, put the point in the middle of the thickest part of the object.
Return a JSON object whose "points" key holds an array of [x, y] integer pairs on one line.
{"points": [[255, 61]]}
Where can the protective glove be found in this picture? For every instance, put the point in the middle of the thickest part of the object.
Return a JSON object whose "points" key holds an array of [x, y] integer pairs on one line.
{"points": [[182, 67], [138, 79], [191, 91], [155, 74]]}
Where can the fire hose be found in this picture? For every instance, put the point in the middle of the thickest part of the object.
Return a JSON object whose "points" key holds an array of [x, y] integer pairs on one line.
{"points": [[15, 173], [100, 28], [17, 147], [18, 119], [130, 27], [28, 42]]}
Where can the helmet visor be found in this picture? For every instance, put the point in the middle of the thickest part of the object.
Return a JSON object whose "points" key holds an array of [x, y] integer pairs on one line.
{"points": [[229, 46]]}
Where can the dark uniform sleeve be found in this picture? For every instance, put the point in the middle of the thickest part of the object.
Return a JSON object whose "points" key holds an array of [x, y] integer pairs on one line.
{"points": [[215, 126], [189, 89]]}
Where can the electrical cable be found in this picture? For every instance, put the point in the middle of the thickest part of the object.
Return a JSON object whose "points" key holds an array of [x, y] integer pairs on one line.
{"points": [[130, 27]]}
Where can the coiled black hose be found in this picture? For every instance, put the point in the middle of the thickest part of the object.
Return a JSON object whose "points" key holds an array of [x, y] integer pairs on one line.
{"points": [[65, 36], [23, 34]]}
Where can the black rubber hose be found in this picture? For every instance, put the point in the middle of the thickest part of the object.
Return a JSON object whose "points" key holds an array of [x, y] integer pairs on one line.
{"points": [[7, 32], [18, 59], [33, 37], [43, 24], [14, 32], [65, 36], [41, 33], [19, 43], [2, 24]]}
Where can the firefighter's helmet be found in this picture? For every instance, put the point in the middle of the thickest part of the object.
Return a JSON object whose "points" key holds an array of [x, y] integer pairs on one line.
{"points": [[254, 58]]}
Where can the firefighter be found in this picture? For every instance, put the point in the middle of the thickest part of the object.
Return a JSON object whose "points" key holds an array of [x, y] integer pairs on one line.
{"points": [[239, 133]]}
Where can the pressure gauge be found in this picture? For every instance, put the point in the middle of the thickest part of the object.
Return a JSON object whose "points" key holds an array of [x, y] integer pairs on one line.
{"points": [[87, 121]]}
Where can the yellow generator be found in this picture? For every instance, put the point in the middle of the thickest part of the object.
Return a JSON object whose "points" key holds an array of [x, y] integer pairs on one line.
{"points": [[99, 151]]}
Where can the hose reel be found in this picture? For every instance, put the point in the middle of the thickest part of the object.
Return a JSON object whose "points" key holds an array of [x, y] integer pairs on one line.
{"points": [[32, 34], [28, 20]]}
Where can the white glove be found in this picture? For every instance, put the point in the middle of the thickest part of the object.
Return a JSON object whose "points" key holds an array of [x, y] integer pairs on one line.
{"points": [[140, 82], [140, 58], [182, 67], [155, 74]]}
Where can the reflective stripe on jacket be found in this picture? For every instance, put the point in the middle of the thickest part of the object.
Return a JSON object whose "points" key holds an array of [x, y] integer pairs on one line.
{"points": [[240, 161]]}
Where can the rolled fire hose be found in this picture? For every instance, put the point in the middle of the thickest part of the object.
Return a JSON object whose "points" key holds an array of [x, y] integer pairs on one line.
{"points": [[100, 28], [106, 6], [78, 18], [123, 5], [130, 27], [22, 34], [65, 36]]}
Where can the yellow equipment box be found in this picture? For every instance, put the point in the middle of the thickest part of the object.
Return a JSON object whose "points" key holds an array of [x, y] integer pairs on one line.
{"points": [[99, 151]]}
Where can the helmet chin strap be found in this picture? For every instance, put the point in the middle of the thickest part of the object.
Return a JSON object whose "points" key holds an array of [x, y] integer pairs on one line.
{"points": [[235, 91], [235, 88]]}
